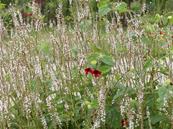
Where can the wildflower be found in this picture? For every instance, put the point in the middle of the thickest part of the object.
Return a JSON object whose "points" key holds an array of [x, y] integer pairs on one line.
{"points": [[96, 73], [162, 33], [92, 71], [88, 70], [124, 122]]}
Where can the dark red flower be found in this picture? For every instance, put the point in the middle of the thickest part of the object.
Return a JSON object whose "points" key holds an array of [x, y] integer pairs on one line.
{"points": [[161, 33], [124, 122], [96, 73], [88, 70]]}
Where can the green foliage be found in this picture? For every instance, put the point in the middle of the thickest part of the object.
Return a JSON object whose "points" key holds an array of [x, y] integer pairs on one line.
{"points": [[2, 6], [104, 7], [27, 9], [170, 20], [121, 7], [136, 6], [113, 118], [100, 61]]}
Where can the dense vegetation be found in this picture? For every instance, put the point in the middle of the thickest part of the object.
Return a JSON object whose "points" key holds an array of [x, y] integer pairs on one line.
{"points": [[70, 8], [77, 64]]}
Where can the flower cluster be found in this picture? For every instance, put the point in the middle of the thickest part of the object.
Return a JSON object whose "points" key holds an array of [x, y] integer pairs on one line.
{"points": [[94, 72]]}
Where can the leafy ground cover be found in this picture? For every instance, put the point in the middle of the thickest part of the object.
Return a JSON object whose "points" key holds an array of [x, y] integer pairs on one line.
{"points": [[93, 74]]}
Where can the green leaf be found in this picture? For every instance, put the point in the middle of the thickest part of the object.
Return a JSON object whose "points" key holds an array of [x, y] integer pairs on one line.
{"points": [[94, 104], [121, 7], [120, 93], [2, 6], [27, 9], [150, 98], [158, 17], [133, 103], [164, 70], [107, 60], [156, 118], [103, 3], [113, 117], [104, 7], [170, 20], [104, 10], [162, 92], [148, 63], [105, 69], [93, 56], [131, 91], [136, 6], [101, 62], [149, 27]]}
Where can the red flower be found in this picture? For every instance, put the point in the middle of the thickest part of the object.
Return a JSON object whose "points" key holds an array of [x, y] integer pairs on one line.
{"points": [[94, 72], [161, 33], [88, 70], [124, 122]]}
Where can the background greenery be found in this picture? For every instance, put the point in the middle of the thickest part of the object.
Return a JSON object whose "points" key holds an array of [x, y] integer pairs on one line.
{"points": [[48, 8]]}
